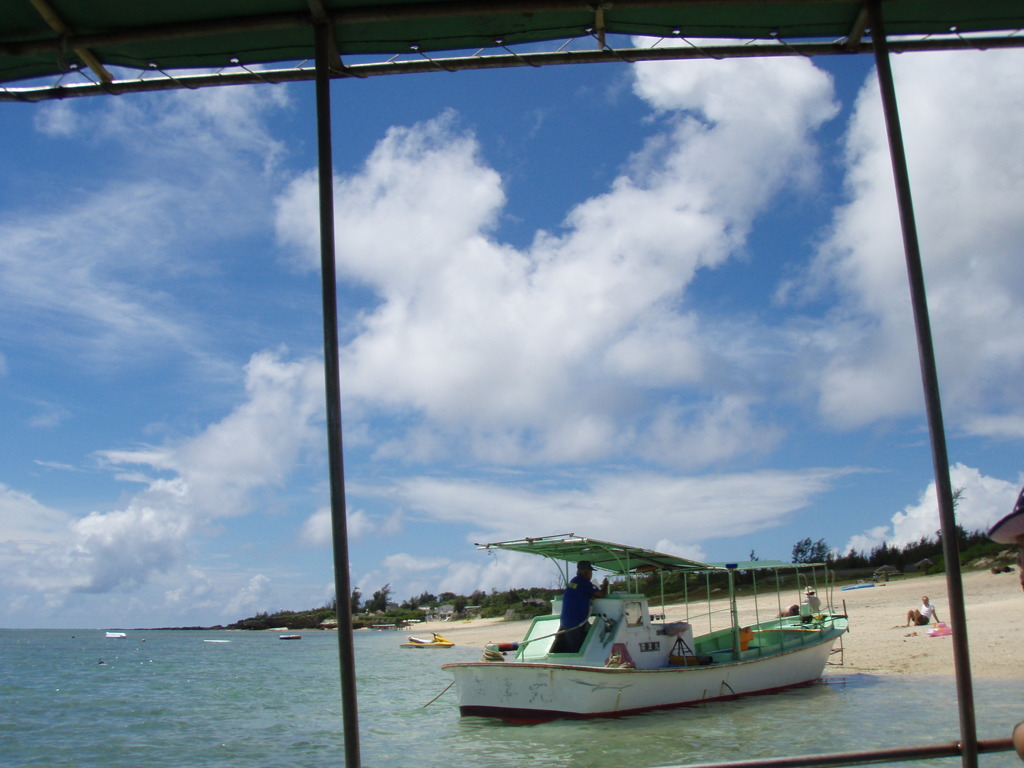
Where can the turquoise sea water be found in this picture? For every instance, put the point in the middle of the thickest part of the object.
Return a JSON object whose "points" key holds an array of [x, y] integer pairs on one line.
{"points": [[168, 698]]}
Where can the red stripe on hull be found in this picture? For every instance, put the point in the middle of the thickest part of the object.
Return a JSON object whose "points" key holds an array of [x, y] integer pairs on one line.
{"points": [[537, 716]]}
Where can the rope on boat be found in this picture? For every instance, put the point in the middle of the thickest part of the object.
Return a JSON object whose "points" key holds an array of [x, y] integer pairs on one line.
{"points": [[442, 693]]}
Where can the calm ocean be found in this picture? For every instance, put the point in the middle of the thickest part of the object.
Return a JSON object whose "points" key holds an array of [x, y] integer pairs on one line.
{"points": [[169, 698]]}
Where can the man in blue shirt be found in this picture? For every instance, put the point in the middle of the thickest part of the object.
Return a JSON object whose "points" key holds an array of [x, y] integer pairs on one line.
{"points": [[576, 599]]}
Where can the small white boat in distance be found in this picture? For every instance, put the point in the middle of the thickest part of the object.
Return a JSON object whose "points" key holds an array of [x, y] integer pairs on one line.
{"points": [[116, 634], [291, 637], [629, 663]]}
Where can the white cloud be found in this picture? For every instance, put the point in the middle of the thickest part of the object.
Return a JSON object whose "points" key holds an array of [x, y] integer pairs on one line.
{"points": [[667, 513], [317, 531], [506, 571], [56, 118], [91, 276], [403, 564], [221, 472], [600, 506], [251, 598], [984, 501], [965, 148], [998, 426], [27, 523], [254, 447], [582, 346], [558, 352], [125, 547], [689, 551], [867, 541]]}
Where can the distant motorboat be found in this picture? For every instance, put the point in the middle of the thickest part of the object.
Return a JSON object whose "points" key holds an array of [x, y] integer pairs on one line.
{"points": [[116, 634], [291, 637]]}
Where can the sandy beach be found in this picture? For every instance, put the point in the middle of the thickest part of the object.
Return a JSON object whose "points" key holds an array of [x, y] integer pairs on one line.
{"points": [[877, 642]]}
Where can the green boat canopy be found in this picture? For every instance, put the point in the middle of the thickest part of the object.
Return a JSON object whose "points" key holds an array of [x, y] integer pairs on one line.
{"points": [[47, 38], [623, 559]]}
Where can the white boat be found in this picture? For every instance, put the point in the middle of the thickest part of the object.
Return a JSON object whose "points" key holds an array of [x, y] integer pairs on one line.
{"points": [[629, 663], [116, 634]]}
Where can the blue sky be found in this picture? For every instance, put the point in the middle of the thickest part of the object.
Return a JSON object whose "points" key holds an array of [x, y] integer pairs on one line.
{"points": [[661, 304]]}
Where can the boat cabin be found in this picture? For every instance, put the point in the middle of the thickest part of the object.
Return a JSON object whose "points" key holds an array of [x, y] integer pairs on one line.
{"points": [[620, 626]]}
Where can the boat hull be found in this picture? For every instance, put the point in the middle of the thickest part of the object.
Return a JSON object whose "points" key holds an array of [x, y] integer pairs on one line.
{"points": [[531, 692]]}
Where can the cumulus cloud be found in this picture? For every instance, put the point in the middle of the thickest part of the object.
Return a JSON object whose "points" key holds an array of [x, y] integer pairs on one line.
{"points": [[983, 502], [751, 501], [655, 509], [124, 547], [27, 523], [216, 474], [253, 447], [965, 148], [316, 531], [403, 564], [560, 351], [583, 346], [251, 597]]}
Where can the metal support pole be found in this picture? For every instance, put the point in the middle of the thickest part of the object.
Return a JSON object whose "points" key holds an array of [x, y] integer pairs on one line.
{"points": [[929, 376], [342, 587], [733, 615]]}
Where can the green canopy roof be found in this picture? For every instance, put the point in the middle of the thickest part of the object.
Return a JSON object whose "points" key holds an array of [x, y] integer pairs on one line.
{"points": [[622, 558], [40, 38], [616, 558]]}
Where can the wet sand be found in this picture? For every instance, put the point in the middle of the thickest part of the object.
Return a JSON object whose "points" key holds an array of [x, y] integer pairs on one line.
{"points": [[877, 642]]}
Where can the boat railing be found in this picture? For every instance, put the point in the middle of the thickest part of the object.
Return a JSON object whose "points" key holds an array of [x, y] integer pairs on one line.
{"points": [[770, 636]]}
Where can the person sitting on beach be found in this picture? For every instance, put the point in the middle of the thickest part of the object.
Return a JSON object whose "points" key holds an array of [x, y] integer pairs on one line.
{"points": [[921, 616], [573, 625]]}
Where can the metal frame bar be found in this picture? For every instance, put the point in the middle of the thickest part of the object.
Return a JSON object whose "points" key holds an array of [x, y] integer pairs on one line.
{"points": [[930, 382], [332, 385], [892, 755], [420, 65]]}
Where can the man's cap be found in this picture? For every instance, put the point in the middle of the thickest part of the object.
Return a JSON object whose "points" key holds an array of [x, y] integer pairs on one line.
{"points": [[584, 564]]}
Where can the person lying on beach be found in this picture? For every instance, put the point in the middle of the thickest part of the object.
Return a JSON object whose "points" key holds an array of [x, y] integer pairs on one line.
{"points": [[921, 616]]}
